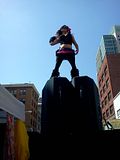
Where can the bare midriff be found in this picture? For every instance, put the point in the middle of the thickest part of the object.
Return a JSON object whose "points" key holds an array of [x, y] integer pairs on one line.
{"points": [[62, 46]]}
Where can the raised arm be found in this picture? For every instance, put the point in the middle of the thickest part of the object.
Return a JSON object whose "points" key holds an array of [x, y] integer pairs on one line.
{"points": [[54, 42]]}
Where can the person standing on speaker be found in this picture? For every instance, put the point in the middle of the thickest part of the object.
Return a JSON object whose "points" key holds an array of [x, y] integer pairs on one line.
{"points": [[65, 51]]}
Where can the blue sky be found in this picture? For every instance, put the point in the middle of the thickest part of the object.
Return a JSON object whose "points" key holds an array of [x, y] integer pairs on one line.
{"points": [[27, 25]]}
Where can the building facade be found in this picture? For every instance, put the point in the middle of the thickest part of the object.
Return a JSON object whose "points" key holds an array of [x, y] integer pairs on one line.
{"points": [[28, 94], [108, 71]]}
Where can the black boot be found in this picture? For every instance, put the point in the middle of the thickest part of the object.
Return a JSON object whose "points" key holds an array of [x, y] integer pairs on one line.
{"points": [[74, 72], [55, 73]]}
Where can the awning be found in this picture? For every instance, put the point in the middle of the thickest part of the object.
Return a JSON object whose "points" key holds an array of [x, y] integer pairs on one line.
{"points": [[11, 105]]}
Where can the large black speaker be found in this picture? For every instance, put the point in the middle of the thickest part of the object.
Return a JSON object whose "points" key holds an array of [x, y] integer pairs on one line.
{"points": [[87, 114], [57, 107]]}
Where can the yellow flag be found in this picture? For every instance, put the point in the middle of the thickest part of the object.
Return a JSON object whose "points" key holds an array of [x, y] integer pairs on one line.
{"points": [[21, 141]]}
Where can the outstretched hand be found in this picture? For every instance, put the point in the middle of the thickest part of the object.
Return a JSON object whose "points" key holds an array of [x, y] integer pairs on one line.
{"points": [[52, 39]]}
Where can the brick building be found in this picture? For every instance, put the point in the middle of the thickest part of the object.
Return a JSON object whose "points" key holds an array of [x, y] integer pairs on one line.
{"points": [[108, 71], [28, 94]]}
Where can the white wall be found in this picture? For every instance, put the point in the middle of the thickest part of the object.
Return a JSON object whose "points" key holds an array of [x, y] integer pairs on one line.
{"points": [[117, 105]]}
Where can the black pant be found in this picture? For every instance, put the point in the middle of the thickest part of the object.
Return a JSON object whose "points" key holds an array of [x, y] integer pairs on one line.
{"points": [[61, 57]]}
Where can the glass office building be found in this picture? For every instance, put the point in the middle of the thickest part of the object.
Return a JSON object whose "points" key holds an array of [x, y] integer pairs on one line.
{"points": [[110, 44]]}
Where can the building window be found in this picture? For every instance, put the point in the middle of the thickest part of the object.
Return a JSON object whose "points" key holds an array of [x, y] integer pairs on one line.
{"points": [[109, 96], [33, 93], [111, 109], [103, 104], [118, 113], [107, 83], [105, 71], [100, 83], [13, 92], [105, 100], [101, 93], [22, 91], [103, 77], [107, 112], [104, 88]]}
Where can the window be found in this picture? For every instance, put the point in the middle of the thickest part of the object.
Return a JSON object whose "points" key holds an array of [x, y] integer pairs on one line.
{"points": [[107, 83], [103, 104], [105, 70], [109, 96], [22, 91], [33, 93], [13, 92], [101, 93], [105, 100], [103, 77], [107, 112], [104, 88], [111, 109]]}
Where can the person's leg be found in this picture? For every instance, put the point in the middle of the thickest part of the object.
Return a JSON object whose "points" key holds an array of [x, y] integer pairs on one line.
{"points": [[59, 60], [71, 59], [74, 71], [55, 71]]}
